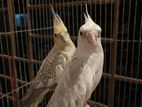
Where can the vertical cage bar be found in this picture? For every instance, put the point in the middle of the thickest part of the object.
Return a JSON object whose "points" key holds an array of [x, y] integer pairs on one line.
{"points": [[3, 60], [30, 55], [122, 48], [13, 74], [113, 55]]}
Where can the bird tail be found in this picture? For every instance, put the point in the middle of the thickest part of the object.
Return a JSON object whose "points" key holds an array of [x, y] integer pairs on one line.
{"points": [[35, 104], [32, 99]]}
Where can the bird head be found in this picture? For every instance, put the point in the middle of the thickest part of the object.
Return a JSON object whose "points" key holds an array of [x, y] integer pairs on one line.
{"points": [[60, 32], [90, 32]]}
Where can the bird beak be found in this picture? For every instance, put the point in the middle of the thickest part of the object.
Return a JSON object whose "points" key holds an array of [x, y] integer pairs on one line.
{"points": [[63, 39], [91, 37]]}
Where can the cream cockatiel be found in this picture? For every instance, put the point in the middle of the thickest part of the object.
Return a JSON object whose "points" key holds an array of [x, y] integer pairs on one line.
{"points": [[84, 71], [52, 66]]}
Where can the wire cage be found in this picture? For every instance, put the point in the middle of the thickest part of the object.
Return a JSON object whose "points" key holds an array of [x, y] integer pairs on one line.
{"points": [[26, 38]]}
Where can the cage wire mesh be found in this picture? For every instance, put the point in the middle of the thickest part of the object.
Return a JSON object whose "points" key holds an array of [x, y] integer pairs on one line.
{"points": [[26, 38]]}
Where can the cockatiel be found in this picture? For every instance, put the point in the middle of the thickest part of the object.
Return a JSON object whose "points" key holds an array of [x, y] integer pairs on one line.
{"points": [[52, 66], [84, 71]]}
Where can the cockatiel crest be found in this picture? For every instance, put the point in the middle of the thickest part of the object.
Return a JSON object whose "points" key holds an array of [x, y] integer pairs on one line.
{"points": [[58, 24]]}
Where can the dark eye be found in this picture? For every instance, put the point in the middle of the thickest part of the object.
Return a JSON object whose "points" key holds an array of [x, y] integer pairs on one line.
{"points": [[55, 35], [81, 33]]}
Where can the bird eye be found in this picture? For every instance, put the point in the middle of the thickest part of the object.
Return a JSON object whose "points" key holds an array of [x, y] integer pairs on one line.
{"points": [[55, 35], [81, 33]]}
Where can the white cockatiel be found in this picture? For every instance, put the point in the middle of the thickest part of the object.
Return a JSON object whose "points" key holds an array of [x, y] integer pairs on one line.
{"points": [[52, 66], [84, 72]]}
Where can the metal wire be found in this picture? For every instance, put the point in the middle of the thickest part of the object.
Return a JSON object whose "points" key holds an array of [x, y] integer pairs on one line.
{"points": [[16, 90], [18, 47], [138, 58], [132, 56], [100, 24], [121, 54], [38, 29], [139, 54], [5, 81], [44, 32], [105, 50], [127, 49]]}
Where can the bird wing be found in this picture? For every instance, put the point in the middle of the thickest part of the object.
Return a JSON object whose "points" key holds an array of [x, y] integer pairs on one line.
{"points": [[46, 77]]}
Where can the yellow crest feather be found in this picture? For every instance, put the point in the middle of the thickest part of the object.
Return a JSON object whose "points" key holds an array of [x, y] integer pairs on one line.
{"points": [[58, 25]]}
